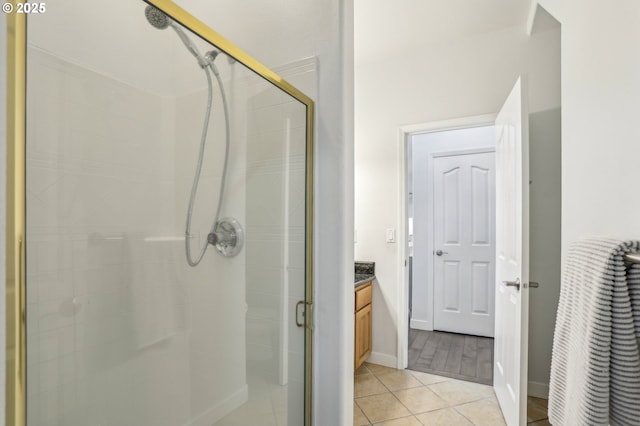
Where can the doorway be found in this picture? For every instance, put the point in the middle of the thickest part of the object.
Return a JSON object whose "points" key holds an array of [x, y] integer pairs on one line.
{"points": [[452, 232]]}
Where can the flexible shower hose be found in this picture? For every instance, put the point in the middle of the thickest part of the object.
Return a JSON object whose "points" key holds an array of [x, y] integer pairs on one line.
{"points": [[196, 179]]}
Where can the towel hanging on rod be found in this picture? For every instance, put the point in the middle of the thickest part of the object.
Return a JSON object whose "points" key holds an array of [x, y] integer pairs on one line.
{"points": [[595, 367]]}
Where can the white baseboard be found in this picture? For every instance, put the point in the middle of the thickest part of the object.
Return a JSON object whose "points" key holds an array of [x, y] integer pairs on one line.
{"points": [[222, 408], [539, 390], [421, 325], [383, 359]]}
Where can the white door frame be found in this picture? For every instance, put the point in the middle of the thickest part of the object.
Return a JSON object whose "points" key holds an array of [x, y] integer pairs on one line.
{"points": [[404, 135]]}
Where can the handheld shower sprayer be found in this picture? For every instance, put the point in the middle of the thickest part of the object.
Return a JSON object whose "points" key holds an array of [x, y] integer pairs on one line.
{"points": [[225, 234]]}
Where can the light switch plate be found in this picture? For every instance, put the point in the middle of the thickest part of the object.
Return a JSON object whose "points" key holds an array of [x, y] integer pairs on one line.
{"points": [[391, 235]]}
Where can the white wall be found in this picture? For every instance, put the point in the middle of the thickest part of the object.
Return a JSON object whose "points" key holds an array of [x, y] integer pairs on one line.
{"points": [[600, 134], [464, 78], [554, 7], [600, 103], [545, 217]]}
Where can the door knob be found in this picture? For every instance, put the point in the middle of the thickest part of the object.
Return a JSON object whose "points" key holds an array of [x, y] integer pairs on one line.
{"points": [[440, 252]]}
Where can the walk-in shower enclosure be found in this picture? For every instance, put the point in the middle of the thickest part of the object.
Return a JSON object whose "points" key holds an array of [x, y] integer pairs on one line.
{"points": [[107, 323]]}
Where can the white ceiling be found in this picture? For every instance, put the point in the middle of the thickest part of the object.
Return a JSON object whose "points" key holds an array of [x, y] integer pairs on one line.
{"points": [[382, 26], [150, 59]]}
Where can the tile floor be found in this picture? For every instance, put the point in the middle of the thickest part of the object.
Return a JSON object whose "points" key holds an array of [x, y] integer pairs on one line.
{"points": [[537, 412], [386, 396]]}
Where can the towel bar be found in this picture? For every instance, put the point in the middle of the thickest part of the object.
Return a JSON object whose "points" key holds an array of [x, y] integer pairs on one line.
{"points": [[632, 257]]}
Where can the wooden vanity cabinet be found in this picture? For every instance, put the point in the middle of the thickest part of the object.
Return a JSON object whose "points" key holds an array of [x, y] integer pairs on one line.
{"points": [[363, 342]]}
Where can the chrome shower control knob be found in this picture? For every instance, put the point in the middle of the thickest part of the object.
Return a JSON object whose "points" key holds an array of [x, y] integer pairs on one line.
{"points": [[228, 237]]}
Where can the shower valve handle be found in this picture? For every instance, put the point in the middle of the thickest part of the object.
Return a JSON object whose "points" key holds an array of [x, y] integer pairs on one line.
{"points": [[228, 237], [212, 238], [222, 236]]}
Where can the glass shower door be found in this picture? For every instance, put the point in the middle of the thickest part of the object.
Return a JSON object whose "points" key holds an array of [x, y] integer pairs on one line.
{"points": [[135, 127]]}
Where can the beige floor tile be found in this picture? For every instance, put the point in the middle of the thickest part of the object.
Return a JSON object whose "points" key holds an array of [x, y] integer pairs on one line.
{"points": [[380, 408], [428, 379], [359, 419], [445, 417], [367, 384], [420, 400], [536, 409], [399, 379], [405, 421], [485, 412], [459, 392], [379, 369], [362, 370]]}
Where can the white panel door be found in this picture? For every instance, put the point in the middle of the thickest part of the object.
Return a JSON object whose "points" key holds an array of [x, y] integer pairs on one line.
{"points": [[512, 257], [464, 234]]}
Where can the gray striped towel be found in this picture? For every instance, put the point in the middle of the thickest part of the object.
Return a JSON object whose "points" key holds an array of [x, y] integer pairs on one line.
{"points": [[595, 366]]}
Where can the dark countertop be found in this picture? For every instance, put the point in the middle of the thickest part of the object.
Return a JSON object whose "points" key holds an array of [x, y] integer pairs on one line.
{"points": [[363, 279], [365, 272]]}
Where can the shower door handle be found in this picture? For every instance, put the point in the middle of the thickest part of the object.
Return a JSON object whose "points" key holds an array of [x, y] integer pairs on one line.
{"points": [[298, 323]]}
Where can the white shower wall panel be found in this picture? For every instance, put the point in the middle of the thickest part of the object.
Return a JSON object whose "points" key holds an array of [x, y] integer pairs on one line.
{"points": [[108, 314], [218, 380]]}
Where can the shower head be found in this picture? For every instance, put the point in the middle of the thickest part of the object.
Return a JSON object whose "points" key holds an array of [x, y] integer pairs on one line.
{"points": [[159, 20], [156, 17]]}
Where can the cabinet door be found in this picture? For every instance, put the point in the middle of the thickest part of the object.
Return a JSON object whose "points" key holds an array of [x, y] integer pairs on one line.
{"points": [[362, 335]]}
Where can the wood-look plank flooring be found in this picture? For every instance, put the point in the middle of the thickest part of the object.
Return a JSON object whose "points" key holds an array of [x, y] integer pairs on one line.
{"points": [[452, 355]]}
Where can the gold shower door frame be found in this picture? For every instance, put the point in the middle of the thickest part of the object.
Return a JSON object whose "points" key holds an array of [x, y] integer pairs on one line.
{"points": [[15, 388]]}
